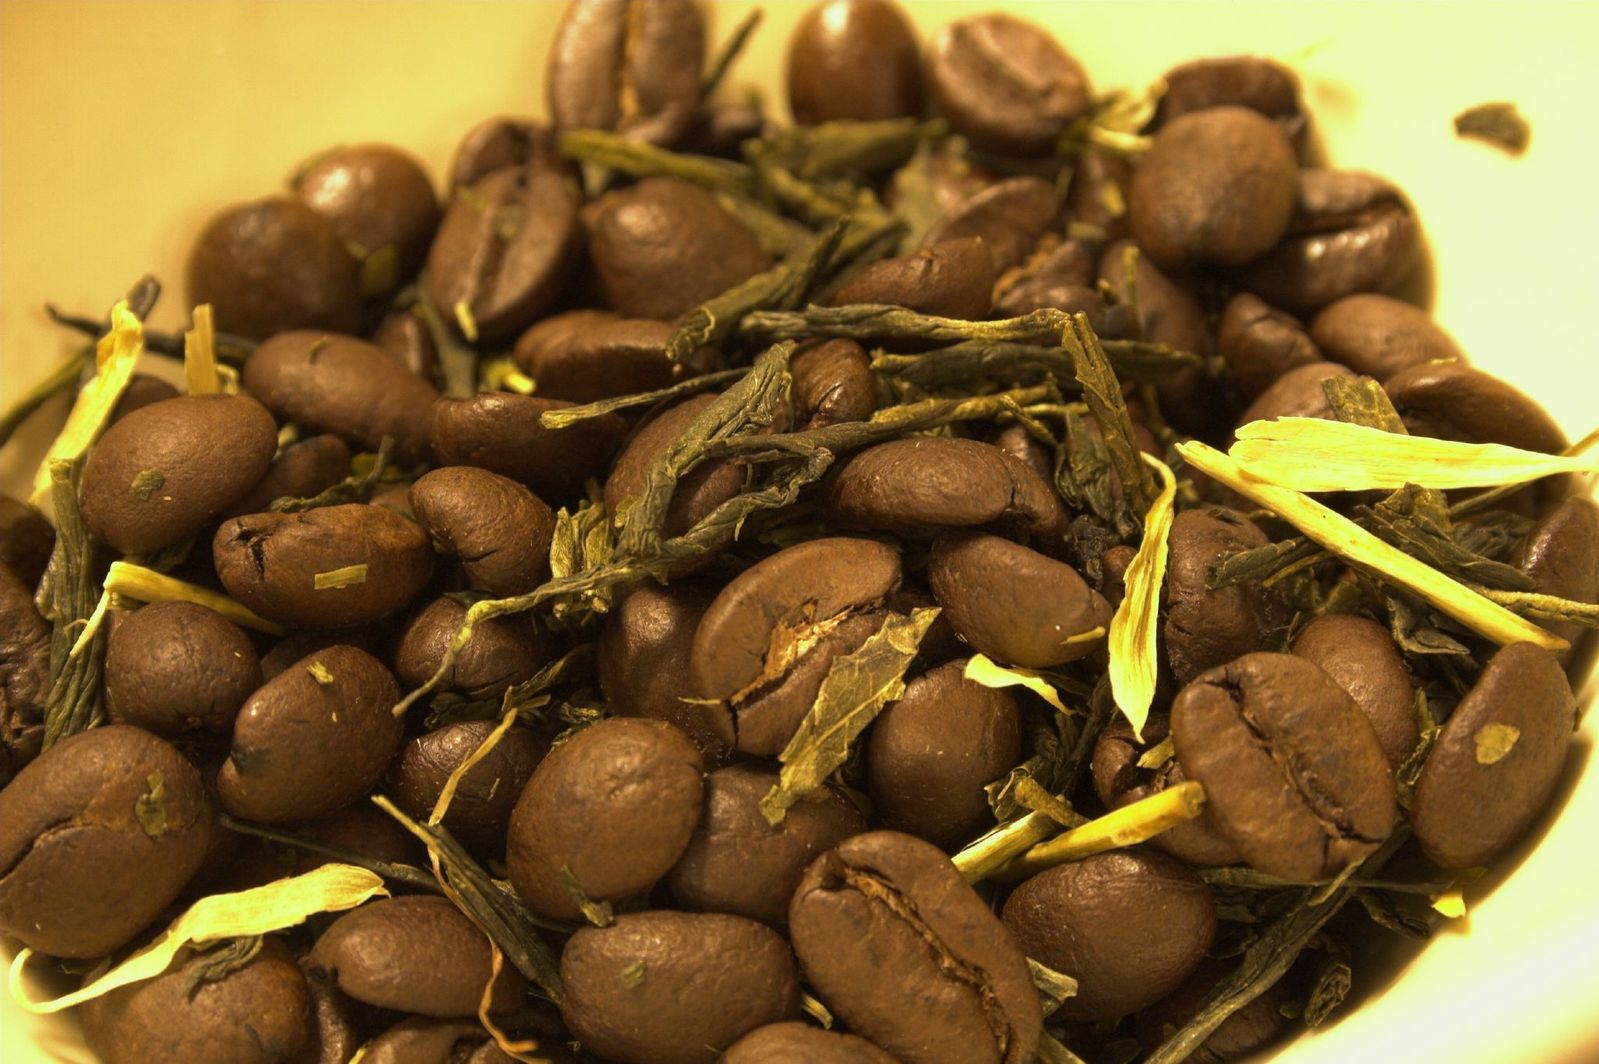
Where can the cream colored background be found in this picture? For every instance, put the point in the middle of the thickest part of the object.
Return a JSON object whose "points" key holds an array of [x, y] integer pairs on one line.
{"points": [[124, 125]]}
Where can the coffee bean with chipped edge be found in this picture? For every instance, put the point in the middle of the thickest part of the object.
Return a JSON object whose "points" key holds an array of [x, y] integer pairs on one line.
{"points": [[1378, 336], [1260, 344], [499, 529], [884, 918], [172, 667], [1297, 393], [496, 144], [1561, 555], [163, 473], [312, 740], [481, 809], [1363, 658], [336, 1023], [931, 753], [675, 988], [585, 355], [1209, 627], [1497, 761], [1453, 401], [697, 494], [98, 835], [1294, 774], [301, 470], [404, 337], [950, 279], [832, 383], [739, 863], [414, 954], [273, 265], [608, 813], [1010, 216], [626, 66], [329, 567], [381, 203], [504, 248], [259, 1013], [853, 60], [425, 1040], [142, 390], [1119, 780], [1013, 604], [501, 432], [1250, 1028], [783, 1043], [329, 383], [1128, 926], [502, 651], [26, 540], [1264, 86], [663, 246], [1006, 84]]}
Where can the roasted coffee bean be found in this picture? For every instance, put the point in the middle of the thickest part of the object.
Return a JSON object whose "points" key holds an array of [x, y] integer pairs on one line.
{"points": [[1204, 627], [700, 491], [97, 837], [605, 815], [1038, 293], [675, 988], [1265, 86], [259, 1013], [1113, 573], [361, 829], [300, 471], [767, 715], [500, 432], [504, 248], [336, 1027], [1260, 344], [1250, 1028], [26, 540], [950, 279], [832, 383], [739, 863], [663, 246], [1010, 216], [1014, 604], [381, 203], [163, 473], [415, 954], [933, 751], [720, 128], [338, 384], [627, 66], [1005, 84], [314, 739], [334, 566], [172, 667], [1561, 555], [481, 809], [499, 529], [502, 651], [1119, 780], [24, 673], [423, 1040], [404, 337], [1294, 774], [1297, 393], [783, 1043], [584, 355], [1497, 761], [497, 144], [1453, 401], [291, 648], [274, 265], [1016, 441], [853, 60], [1097, 195], [1216, 186], [1128, 926], [1378, 336], [884, 918], [1360, 655], [142, 390]]}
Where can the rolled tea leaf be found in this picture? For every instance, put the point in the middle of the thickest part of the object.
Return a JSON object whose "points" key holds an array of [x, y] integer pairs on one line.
{"points": [[980, 669], [1134, 659]]}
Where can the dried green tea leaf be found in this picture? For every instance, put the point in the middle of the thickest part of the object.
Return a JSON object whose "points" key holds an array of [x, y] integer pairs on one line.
{"points": [[1158, 755], [1102, 391], [150, 808], [1133, 823], [848, 147], [1053, 987], [1362, 401], [598, 913], [639, 159], [980, 669], [465, 321], [1499, 124], [1332, 986], [367, 473], [1031, 795], [1134, 660], [1495, 741], [147, 483], [344, 576], [633, 974], [147, 585], [1003, 844], [560, 419], [68, 598]]}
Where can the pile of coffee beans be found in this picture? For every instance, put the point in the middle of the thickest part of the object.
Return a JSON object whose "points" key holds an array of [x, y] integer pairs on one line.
{"points": [[682, 554]]}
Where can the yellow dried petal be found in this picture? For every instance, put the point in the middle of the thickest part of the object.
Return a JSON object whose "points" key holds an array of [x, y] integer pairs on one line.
{"points": [[1451, 903], [981, 669], [147, 585], [200, 354], [1133, 655]]}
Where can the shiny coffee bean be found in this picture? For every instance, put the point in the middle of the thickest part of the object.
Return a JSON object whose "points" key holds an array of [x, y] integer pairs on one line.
{"points": [[1260, 344], [629, 67], [1118, 781], [499, 529], [853, 60], [783, 1043], [301, 470], [584, 355], [1010, 216], [1264, 86], [404, 337], [496, 144], [502, 651], [500, 432], [1210, 627], [1378, 336], [1360, 655], [833, 383], [381, 203], [950, 279], [172, 667], [1297, 393], [1453, 401], [1561, 555]]}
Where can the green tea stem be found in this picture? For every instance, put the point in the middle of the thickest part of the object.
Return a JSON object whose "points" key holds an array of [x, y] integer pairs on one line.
{"points": [[1128, 826]]}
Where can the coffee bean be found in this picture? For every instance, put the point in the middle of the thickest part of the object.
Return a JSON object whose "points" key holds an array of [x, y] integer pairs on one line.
{"points": [[97, 837], [1097, 195], [300, 471], [1453, 401], [143, 389], [1005, 84], [496, 144], [381, 203], [739, 863], [312, 740], [1040, 292], [24, 673], [404, 337], [950, 279], [499, 529], [172, 667], [336, 1027], [1204, 627], [853, 60], [1128, 926], [164, 472], [884, 918], [421, 1040], [1297, 393], [500, 432], [782, 1043], [1261, 344], [1561, 555], [1009, 216], [700, 491], [26, 540], [584, 355], [502, 651], [1264, 86], [1016, 441], [832, 384], [1360, 655], [1378, 335], [1293, 773], [674, 988], [291, 648], [1497, 761], [1250, 1028], [627, 66], [768, 714], [481, 809], [720, 128], [607, 813], [1119, 781]]}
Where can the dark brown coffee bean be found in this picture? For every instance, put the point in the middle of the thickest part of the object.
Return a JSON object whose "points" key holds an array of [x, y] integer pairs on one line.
{"points": [[674, 988], [314, 739], [627, 66], [1561, 554], [336, 1023], [784, 1043], [481, 809], [500, 432], [720, 128], [933, 751], [1097, 195], [1351, 232], [1497, 760], [329, 567], [884, 918], [142, 390], [172, 667], [259, 1013], [664, 246], [1265, 86], [1293, 773], [1046, 292], [274, 265], [361, 829], [300, 471], [1360, 655], [1204, 627], [1297, 393], [1260, 344], [1014, 604], [291, 648], [1021, 445], [499, 529], [701, 491], [404, 337], [504, 248], [1005, 84], [1113, 573], [24, 674], [97, 836], [423, 1040], [1119, 781], [1010, 217], [1378, 335], [1128, 926], [1243, 1032], [584, 355], [497, 144], [163, 473], [1216, 186], [739, 863], [415, 954], [1452, 401], [833, 383], [338, 384], [605, 815], [853, 60], [381, 203], [502, 651], [26, 540], [951, 279]]}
